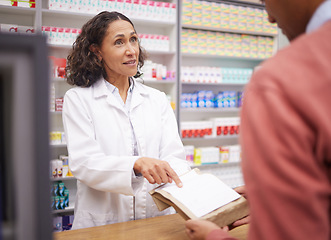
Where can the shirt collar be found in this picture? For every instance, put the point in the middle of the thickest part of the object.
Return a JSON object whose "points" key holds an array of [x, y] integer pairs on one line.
{"points": [[112, 88], [131, 84], [320, 16]]}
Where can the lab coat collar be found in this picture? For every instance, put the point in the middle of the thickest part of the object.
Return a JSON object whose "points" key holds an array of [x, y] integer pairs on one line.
{"points": [[100, 88], [138, 93]]}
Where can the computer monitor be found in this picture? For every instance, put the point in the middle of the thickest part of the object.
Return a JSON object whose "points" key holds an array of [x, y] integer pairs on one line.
{"points": [[25, 211]]}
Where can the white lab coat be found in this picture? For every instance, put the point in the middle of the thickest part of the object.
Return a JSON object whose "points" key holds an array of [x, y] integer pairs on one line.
{"points": [[99, 141]]}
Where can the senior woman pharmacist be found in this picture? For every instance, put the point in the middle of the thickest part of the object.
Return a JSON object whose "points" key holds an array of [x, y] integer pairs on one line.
{"points": [[122, 135]]}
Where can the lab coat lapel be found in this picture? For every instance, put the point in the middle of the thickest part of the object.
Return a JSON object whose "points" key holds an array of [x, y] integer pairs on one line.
{"points": [[101, 90], [138, 117], [137, 98]]}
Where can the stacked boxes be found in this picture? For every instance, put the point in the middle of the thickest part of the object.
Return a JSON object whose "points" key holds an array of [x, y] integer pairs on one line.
{"points": [[226, 44], [60, 167], [206, 155], [57, 137], [139, 9], [67, 36], [207, 99], [213, 155], [155, 42], [225, 126], [60, 36], [60, 196], [196, 129], [214, 127], [156, 71], [230, 153], [227, 16], [13, 28], [200, 74], [19, 3]]}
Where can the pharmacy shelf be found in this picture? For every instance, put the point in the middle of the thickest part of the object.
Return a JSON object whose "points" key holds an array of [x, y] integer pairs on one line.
{"points": [[59, 79], [66, 210], [62, 145], [197, 139], [213, 56], [199, 27], [56, 112], [161, 53], [161, 82], [17, 10], [252, 3], [151, 52], [209, 110], [152, 81], [83, 16], [63, 179], [214, 84], [215, 165]]}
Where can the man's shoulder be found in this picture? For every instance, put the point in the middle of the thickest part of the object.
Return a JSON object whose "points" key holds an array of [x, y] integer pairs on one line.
{"points": [[305, 52]]}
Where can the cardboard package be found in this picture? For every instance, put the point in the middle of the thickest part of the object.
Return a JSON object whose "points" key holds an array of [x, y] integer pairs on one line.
{"points": [[223, 215]]}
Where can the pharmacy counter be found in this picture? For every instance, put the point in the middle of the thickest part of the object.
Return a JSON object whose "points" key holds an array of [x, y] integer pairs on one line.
{"points": [[170, 227]]}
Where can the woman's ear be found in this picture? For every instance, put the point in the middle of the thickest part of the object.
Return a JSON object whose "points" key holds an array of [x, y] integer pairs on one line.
{"points": [[96, 50]]}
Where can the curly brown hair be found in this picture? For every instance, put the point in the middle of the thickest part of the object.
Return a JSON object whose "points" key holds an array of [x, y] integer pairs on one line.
{"points": [[83, 66]]}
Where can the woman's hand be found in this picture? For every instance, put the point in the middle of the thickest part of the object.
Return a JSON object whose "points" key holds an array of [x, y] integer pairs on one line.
{"points": [[156, 171], [199, 229]]}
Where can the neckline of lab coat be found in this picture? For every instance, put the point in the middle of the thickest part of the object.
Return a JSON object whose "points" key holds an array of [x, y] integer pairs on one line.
{"points": [[138, 94]]}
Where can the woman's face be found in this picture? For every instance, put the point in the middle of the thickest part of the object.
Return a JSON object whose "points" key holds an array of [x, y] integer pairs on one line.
{"points": [[120, 50]]}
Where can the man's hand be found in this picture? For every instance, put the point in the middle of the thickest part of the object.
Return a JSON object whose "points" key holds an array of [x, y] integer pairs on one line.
{"points": [[156, 171], [242, 191], [199, 229]]}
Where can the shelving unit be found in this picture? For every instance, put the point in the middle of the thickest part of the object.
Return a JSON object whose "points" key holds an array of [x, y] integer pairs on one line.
{"points": [[68, 210], [190, 26], [228, 172], [70, 183]]}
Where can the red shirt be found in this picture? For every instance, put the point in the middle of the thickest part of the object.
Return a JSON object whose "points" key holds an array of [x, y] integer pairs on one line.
{"points": [[286, 142]]}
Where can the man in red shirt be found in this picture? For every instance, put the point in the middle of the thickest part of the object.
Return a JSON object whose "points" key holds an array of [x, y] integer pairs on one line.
{"points": [[286, 132]]}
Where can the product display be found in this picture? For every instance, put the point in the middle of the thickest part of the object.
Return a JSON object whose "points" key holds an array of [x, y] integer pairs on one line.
{"points": [[156, 71], [207, 99], [153, 42], [19, 3], [60, 36], [62, 223], [140, 9], [60, 196], [213, 155], [226, 44], [57, 137], [214, 127], [225, 15], [12, 28], [200, 74], [60, 167]]}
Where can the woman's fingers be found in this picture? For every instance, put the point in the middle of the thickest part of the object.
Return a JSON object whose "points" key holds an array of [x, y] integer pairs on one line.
{"points": [[156, 171], [173, 175]]}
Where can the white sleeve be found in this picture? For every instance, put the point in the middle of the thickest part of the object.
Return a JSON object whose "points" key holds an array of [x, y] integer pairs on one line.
{"points": [[88, 163]]}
